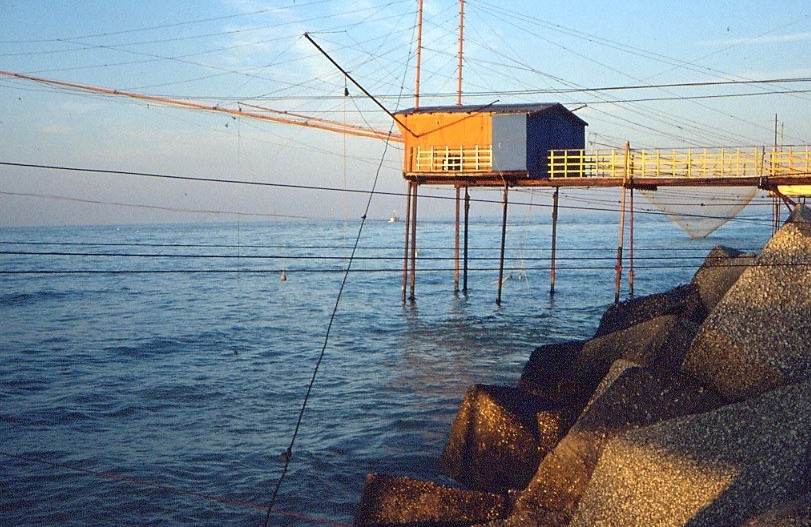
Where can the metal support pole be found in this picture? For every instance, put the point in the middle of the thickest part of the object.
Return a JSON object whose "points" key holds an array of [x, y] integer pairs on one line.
{"points": [[460, 54], [503, 239], [618, 266], [419, 55], [467, 217], [415, 187], [554, 240], [775, 215], [406, 241], [631, 249], [456, 245]]}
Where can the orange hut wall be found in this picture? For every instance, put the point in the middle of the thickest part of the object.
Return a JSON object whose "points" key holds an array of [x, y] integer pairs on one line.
{"points": [[444, 129]]}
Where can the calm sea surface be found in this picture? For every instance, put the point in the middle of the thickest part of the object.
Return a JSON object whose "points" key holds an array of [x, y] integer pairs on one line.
{"points": [[147, 372]]}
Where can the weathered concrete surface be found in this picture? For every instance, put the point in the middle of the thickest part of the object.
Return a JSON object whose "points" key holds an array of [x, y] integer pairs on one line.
{"points": [[544, 369], [721, 268], [389, 500], [642, 344], [496, 442], [629, 397], [681, 301], [795, 513], [711, 469], [759, 335]]}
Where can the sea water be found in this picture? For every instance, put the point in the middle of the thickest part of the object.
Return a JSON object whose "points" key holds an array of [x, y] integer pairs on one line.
{"points": [[154, 374]]}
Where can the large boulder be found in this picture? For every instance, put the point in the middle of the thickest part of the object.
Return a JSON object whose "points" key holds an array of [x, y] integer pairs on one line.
{"points": [[647, 343], [499, 436], [629, 397], [544, 370], [680, 301], [721, 268], [758, 335], [713, 469], [390, 500], [794, 513]]}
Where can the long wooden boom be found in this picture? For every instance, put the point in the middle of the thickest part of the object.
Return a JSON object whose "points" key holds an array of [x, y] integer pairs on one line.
{"points": [[267, 114]]}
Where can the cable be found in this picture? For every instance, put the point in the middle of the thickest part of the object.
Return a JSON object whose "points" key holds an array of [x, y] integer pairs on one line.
{"points": [[288, 454], [305, 187]]}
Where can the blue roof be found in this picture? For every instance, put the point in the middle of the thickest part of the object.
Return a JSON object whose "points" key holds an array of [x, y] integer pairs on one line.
{"points": [[526, 108]]}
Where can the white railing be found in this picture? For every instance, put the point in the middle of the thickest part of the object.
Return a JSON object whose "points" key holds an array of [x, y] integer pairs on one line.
{"points": [[680, 162], [452, 159]]}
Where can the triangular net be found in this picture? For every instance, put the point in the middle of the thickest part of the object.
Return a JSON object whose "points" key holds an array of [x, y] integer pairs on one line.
{"points": [[700, 210]]}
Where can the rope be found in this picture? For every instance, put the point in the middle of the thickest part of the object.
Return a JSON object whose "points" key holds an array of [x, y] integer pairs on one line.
{"points": [[176, 490], [288, 454]]}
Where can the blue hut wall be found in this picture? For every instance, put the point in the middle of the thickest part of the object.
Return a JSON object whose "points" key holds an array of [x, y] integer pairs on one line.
{"points": [[549, 130]]}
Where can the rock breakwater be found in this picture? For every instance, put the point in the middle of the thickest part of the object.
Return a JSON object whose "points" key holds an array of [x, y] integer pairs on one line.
{"points": [[687, 408]]}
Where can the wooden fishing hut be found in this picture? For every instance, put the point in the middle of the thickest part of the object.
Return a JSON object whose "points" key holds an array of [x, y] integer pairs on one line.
{"points": [[496, 145]]}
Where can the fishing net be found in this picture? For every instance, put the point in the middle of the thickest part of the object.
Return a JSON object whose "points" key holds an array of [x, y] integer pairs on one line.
{"points": [[698, 210]]}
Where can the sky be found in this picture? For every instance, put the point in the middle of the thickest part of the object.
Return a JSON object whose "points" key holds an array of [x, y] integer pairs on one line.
{"points": [[74, 157]]}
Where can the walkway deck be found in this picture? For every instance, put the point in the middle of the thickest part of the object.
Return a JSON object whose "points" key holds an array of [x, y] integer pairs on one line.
{"points": [[764, 167]]}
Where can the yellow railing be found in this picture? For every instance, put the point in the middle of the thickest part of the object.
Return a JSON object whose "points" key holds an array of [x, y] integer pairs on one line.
{"points": [[451, 159], [680, 163]]}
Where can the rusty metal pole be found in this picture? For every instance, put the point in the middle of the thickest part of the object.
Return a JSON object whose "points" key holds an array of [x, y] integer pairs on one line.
{"points": [[503, 239], [775, 215], [631, 248], [405, 242], [419, 55], [456, 245], [618, 266], [467, 217], [460, 55], [415, 187], [554, 240]]}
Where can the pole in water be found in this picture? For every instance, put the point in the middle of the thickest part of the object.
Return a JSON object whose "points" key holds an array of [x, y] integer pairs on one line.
{"points": [[456, 245], [554, 240], [618, 266], [405, 242], [503, 238], [467, 216], [415, 186], [631, 249]]}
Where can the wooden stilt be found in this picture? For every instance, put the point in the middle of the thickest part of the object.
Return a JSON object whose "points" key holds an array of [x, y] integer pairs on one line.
{"points": [[456, 245], [631, 248], [415, 187], [618, 266], [503, 239], [554, 240], [467, 216], [406, 241], [775, 215]]}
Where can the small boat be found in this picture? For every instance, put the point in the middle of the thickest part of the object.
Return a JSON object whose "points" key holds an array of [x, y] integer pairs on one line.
{"points": [[394, 218]]}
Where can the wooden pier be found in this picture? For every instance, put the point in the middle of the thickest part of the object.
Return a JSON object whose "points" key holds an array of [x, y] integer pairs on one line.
{"points": [[784, 171]]}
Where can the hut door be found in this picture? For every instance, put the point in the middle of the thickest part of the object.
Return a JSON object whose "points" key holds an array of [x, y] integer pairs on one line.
{"points": [[509, 142]]}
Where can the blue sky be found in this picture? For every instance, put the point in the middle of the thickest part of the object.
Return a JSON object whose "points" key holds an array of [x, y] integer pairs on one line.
{"points": [[226, 52]]}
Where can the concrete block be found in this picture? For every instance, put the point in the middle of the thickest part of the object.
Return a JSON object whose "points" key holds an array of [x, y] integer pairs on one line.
{"points": [[721, 268], [496, 442], [641, 309], [710, 469], [794, 513], [389, 500], [629, 397], [757, 337]]}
